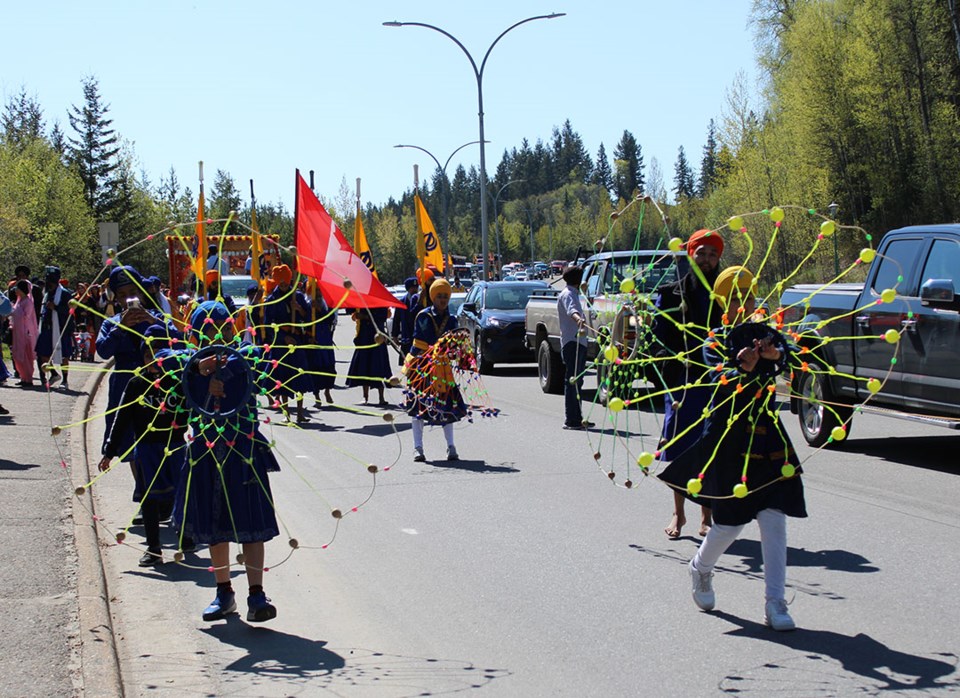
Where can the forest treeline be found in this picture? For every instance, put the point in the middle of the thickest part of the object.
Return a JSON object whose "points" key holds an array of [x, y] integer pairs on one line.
{"points": [[858, 105]]}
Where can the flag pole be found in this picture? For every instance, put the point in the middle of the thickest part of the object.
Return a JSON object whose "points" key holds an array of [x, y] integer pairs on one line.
{"points": [[421, 251], [201, 264], [356, 230], [255, 244]]}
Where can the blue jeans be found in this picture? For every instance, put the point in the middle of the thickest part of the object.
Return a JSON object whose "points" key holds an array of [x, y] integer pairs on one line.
{"points": [[574, 357]]}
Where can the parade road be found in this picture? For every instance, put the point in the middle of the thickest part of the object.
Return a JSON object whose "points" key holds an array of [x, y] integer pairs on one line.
{"points": [[521, 571]]}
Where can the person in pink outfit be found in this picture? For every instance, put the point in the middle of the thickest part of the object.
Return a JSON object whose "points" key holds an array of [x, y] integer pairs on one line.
{"points": [[25, 331]]}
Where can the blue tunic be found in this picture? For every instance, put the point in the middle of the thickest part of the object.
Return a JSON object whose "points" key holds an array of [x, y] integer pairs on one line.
{"points": [[321, 357], [370, 365], [45, 339], [290, 312]]}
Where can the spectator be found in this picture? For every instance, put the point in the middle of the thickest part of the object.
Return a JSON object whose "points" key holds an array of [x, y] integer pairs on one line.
{"points": [[573, 347], [55, 340], [25, 331]]}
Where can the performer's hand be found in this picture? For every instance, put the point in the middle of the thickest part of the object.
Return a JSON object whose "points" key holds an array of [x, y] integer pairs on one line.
{"points": [[104, 464], [748, 357], [216, 387], [766, 349], [132, 317], [208, 364]]}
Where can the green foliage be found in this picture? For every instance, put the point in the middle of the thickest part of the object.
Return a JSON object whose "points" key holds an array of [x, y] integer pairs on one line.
{"points": [[94, 150]]}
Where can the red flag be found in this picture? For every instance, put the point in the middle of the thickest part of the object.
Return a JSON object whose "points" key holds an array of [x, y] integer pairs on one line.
{"points": [[324, 254]]}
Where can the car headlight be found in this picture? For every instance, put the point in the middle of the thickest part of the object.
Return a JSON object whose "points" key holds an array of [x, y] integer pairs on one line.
{"points": [[494, 322]]}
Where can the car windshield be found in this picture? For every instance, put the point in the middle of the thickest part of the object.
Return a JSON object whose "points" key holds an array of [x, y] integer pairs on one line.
{"points": [[508, 297], [236, 286], [648, 273]]}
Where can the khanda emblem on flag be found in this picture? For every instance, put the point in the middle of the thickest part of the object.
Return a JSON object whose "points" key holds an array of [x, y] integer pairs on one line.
{"points": [[430, 240], [367, 259]]}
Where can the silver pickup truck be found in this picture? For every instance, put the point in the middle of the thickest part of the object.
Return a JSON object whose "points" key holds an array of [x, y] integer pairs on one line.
{"points": [[615, 312]]}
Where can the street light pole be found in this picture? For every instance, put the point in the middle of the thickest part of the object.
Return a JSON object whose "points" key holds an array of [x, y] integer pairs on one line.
{"points": [[496, 220], [478, 73], [832, 209], [445, 186]]}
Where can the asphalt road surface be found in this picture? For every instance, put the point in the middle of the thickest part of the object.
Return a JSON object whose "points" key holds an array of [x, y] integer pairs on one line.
{"points": [[521, 571]]}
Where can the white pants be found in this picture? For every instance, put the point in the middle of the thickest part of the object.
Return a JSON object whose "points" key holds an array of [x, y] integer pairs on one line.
{"points": [[773, 545], [417, 425]]}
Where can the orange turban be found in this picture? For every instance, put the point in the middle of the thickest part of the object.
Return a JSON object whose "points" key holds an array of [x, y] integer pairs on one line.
{"points": [[704, 237], [212, 276], [281, 274], [424, 275], [270, 285]]}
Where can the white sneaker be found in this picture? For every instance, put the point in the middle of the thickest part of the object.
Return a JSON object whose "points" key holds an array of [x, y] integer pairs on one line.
{"points": [[452, 453], [703, 594], [777, 616]]}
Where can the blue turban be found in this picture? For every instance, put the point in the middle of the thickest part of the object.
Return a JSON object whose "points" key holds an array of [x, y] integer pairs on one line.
{"points": [[214, 310], [124, 276], [152, 281], [253, 288], [52, 274], [410, 282], [158, 335]]}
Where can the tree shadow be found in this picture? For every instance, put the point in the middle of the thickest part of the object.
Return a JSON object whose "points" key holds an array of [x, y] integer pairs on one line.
{"points": [[916, 451], [860, 655], [835, 560], [314, 425], [473, 466], [378, 429]]}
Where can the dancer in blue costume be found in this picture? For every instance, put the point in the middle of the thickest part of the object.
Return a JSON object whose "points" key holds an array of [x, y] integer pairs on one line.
{"points": [[432, 396], [286, 315], [119, 339], [402, 328], [153, 406], [370, 365], [224, 494], [321, 357]]}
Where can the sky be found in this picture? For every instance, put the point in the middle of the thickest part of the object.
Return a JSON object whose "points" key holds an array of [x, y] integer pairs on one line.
{"points": [[260, 89]]}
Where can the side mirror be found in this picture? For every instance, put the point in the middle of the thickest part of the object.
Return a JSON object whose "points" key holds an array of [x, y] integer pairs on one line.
{"points": [[468, 308], [938, 293]]}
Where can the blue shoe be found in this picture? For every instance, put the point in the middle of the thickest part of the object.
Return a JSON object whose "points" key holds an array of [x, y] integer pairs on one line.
{"points": [[259, 608], [222, 604]]}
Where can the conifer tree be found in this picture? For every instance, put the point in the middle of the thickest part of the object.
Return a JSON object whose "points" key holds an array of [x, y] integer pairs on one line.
{"points": [[708, 164], [602, 174], [683, 182], [22, 120], [94, 150], [628, 163]]}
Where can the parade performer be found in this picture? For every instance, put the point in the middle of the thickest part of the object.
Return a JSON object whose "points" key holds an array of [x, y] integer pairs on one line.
{"points": [[286, 313], [151, 405], [321, 357], [433, 396], [215, 293], [402, 328], [744, 464], [25, 330], [685, 315], [370, 364], [224, 494], [55, 341]]}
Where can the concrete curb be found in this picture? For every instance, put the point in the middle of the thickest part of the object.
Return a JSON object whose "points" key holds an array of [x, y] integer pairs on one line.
{"points": [[99, 662]]}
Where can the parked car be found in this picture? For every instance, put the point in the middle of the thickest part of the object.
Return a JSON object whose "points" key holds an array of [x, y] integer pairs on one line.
{"points": [[843, 328], [521, 275], [494, 314], [557, 266], [235, 286]]}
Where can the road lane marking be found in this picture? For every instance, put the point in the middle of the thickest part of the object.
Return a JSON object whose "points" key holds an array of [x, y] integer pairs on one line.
{"points": [[409, 531]]}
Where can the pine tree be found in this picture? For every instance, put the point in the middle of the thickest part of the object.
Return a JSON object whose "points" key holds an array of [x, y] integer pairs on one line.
{"points": [[22, 121], [708, 164], [94, 150], [602, 174], [58, 140], [224, 198], [628, 163], [683, 182]]}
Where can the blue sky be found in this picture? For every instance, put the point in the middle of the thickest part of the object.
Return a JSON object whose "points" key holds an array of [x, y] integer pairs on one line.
{"points": [[259, 89]]}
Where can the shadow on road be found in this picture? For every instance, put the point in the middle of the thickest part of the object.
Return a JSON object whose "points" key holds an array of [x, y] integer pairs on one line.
{"points": [[917, 451], [860, 656], [272, 653], [837, 560], [511, 370], [473, 466], [13, 465], [383, 429]]}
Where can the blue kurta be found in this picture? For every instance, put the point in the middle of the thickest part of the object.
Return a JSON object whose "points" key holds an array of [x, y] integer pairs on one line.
{"points": [[45, 339], [321, 357], [370, 365], [432, 395], [290, 312]]}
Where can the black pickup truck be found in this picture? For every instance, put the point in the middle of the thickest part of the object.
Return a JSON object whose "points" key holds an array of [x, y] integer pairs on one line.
{"points": [[899, 356]]}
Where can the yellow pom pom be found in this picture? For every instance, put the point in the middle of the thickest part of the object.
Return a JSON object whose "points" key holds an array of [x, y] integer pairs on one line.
{"points": [[627, 286], [776, 215], [891, 336], [874, 385], [740, 491], [788, 470], [645, 459], [735, 223], [828, 228], [867, 255], [675, 244], [615, 404], [694, 485], [838, 433], [611, 354], [888, 295]]}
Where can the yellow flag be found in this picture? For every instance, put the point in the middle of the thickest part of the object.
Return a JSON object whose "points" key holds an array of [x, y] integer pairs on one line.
{"points": [[428, 244], [360, 245], [200, 263], [256, 246]]}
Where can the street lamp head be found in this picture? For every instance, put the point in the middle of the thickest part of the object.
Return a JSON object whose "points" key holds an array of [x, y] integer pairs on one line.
{"points": [[554, 15], [394, 23], [833, 208]]}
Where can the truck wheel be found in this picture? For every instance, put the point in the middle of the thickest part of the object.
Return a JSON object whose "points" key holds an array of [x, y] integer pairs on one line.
{"points": [[550, 369], [484, 366], [818, 420]]}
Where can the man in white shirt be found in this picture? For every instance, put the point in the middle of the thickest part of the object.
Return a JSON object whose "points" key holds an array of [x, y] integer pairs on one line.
{"points": [[573, 347]]}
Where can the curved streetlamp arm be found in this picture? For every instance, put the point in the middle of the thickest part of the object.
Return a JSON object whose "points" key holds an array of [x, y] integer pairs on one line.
{"points": [[444, 169], [424, 150], [502, 34], [446, 34]]}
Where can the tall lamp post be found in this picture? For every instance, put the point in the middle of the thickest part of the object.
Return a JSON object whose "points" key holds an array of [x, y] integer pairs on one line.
{"points": [[445, 185], [478, 73], [496, 220], [832, 210]]}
